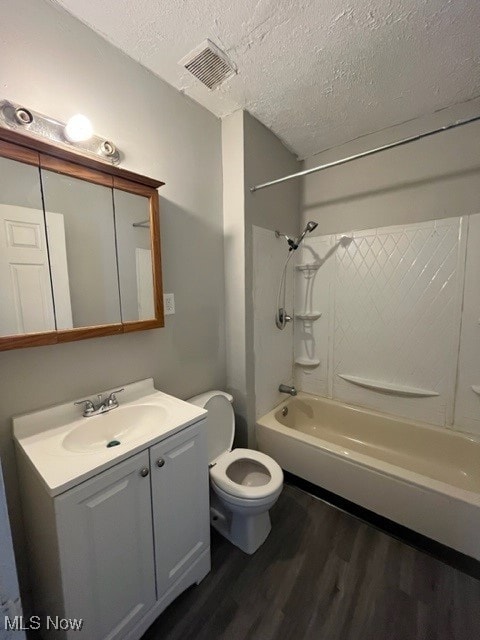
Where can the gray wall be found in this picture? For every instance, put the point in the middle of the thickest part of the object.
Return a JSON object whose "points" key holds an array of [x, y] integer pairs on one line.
{"points": [[234, 251], [436, 177], [251, 154], [56, 65], [266, 158]]}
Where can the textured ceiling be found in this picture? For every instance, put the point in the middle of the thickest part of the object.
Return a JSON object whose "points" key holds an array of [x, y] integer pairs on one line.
{"points": [[316, 72]]}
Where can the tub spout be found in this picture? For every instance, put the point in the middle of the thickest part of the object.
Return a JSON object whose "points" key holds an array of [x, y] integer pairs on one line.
{"points": [[284, 388]]}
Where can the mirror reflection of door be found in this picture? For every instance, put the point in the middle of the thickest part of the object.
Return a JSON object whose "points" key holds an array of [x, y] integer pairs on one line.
{"points": [[29, 271], [26, 303], [57, 250]]}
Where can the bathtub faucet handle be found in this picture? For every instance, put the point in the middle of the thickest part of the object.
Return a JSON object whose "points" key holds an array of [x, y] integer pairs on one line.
{"points": [[284, 388]]}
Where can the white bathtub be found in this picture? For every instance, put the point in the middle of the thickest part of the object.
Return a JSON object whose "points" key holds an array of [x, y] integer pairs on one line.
{"points": [[423, 477]]}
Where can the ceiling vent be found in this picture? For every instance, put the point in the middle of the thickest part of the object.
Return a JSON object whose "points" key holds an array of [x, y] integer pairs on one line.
{"points": [[209, 64]]}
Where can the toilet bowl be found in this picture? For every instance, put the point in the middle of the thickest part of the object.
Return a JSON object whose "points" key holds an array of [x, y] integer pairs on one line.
{"points": [[244, 484]]}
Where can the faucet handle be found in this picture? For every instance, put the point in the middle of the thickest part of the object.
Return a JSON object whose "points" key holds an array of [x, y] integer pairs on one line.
{"points": [[88, 406], [112, 398]]}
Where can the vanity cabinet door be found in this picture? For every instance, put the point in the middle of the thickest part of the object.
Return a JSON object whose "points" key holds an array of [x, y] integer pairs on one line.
{"points": [[106, 550], [180, 503]]}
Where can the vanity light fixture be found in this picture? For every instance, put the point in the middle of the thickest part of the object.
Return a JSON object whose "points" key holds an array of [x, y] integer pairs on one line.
{"points": [[76, 135]]}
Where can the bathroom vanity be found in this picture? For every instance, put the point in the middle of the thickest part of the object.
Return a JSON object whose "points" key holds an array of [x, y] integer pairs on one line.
{"points": [[115, 533]]}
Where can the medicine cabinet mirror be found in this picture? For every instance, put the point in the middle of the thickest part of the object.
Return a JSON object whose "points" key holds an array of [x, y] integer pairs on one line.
{"points": [[79, 246]]}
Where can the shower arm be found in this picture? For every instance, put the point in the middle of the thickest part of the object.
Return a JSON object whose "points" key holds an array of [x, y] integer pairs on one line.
{"points": [[290, 241], [294, 243]]}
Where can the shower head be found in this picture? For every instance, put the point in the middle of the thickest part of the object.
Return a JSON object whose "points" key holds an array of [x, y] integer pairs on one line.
{"points": [[309, 227], [294, 243]]}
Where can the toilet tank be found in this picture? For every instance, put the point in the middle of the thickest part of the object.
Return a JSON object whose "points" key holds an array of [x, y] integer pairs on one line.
{"points": [[220, 421], [202, 399]]}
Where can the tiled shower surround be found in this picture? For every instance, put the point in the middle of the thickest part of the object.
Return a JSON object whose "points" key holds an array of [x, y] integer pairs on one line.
{"points": [[378, 319]]}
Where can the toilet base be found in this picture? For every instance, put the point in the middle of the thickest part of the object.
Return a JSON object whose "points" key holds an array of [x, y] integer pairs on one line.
{"points": [[247, 532]]}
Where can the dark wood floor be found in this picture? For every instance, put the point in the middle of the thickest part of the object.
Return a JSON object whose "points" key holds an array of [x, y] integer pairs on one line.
{"points": [[323, 575]]}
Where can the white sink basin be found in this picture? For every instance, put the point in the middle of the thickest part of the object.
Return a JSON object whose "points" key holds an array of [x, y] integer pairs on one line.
{"points": [[122, 425], [67, 449]]}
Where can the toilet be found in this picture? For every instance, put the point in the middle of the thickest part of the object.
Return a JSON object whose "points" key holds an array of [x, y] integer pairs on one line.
{"points": [[244, 484]]}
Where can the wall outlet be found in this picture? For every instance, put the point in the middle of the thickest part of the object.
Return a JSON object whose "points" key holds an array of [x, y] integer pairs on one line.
{"points": [[168, 304]]}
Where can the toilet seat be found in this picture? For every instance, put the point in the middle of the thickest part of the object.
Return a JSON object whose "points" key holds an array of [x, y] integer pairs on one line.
{"points": [[218, 474]]}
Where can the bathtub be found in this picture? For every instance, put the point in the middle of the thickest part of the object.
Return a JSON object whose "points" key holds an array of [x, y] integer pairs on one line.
{"points": [[423, 477]]}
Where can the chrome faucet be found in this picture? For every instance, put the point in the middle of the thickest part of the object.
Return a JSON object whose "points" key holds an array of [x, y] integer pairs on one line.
{"points": [[284, 388], [102, 406]]}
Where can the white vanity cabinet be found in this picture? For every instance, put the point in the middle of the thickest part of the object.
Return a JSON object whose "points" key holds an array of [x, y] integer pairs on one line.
{"points": [[105, 542], [181, 514], [116, 549]]}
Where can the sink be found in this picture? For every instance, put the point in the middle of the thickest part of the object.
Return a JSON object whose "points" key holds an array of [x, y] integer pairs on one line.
{"points": [[119, 426], [67, 449]]}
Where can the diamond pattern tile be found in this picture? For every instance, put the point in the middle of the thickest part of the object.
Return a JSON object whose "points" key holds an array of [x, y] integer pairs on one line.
{"points": [[396, 305], [394, 316]]}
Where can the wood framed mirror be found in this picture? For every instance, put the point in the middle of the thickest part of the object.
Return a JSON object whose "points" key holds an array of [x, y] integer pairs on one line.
{"points": [[79, 246]]}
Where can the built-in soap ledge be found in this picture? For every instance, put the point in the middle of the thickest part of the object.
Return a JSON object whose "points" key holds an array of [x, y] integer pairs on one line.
{"points": [[307, 362], [308, 316], [389, 388], [312, 266]]}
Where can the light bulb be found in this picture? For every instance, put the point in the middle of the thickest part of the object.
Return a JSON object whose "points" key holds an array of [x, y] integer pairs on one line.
{"points": [[78, 128]]}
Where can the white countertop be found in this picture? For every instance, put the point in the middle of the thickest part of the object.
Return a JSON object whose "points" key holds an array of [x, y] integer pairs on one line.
{"points": [[39, 436]]}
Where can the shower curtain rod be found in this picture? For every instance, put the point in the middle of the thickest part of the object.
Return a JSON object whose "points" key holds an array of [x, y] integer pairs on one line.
{"points": [[364, 154]]}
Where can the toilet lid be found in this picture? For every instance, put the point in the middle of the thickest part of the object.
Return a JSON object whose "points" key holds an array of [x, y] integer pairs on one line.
{"points": [[220, 426]]}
